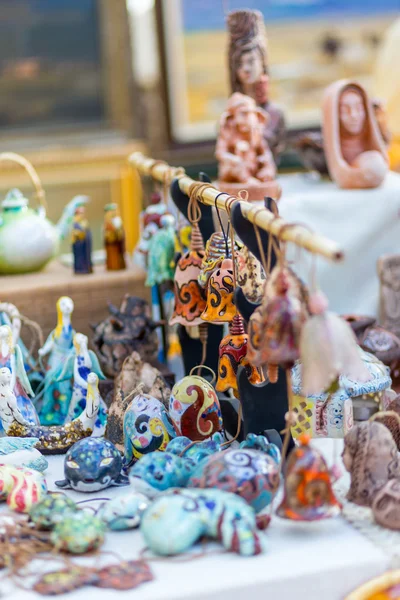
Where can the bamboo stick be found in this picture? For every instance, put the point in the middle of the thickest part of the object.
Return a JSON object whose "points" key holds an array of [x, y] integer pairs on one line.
{"points": [[262, 217]]}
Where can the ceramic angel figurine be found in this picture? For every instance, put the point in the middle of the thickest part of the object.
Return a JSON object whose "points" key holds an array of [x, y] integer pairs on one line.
{"points": [[354, 147], [81, 242], [11, 357], [114, 238], [55, 396], [80, 362]]}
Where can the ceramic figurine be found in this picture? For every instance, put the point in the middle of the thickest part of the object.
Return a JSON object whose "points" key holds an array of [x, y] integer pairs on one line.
{"points": [[244, 158], [176, 521], [233, 354], [127, 329], [21, 487], [330, 413], [150, 223], [147, 427], [220, 306], [80, 362], [160, 263], [370, 455], [194, 408], [248, 68], [250, 275], [11, 357], [386, 505], [114, 238], [308, 489], [54, 439], [78, 533], [22, 452], [51, 510], [124, 512], [53, 406], [81, 243], [92, 464], [310, 149], [217, 248], [141, 251], [134, 372], [250, 473], [183, 446], [355, 150]]}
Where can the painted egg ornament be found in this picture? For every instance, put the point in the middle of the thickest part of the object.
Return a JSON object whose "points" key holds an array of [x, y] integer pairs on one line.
{"points": [[194, 408], [147, 427], [123, 512], [51, 510], [92, 464], [78, 533], [21, 487]]}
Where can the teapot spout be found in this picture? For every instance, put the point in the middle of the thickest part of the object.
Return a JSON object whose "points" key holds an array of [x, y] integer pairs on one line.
{"points": [[65, 223]]}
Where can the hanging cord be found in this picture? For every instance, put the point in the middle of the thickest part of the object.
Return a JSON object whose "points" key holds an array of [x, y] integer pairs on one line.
{"points": [[225, 235]]}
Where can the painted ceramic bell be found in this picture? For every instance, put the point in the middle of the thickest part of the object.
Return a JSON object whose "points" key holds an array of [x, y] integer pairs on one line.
{"points": [[216, 250], [232, 354], [220, 307], [254, 329], [194, 408], [308, 494], [190, 298], [147, 427], [250, 275]]}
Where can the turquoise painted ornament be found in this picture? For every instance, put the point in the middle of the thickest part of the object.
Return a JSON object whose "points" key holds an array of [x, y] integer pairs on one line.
{"points": [[21, 452], [78, 533], [92, 464], [52, 510], [124, 512], [177, 520], [147, 427], [161, 252]]}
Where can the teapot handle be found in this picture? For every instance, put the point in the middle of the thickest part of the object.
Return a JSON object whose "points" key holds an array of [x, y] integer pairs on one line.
{"points": [[37, 184]]}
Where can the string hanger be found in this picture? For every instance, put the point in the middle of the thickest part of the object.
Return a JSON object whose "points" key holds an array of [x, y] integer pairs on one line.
{"points": [[225, 235]]}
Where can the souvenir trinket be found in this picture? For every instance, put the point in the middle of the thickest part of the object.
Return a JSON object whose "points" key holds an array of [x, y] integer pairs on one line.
{"points": [[81, 242], [391, 420], [114, 238], [92, 464], [51, 510], [78, 533], [54, 399], [126, 575], [22, 452], [383, 587], [190, 300], [233, 354], [194, 408], [63, 581], [308, 494], [55, 439], [124, 512], [370, 456], [252, 474], [21, 487], [386, 505], [354, 148], [160, 261], [250, 275], [128, 328], [141, 251], [220, 306], [254, 329], [216, 250], [176, 521], [147, 427]]}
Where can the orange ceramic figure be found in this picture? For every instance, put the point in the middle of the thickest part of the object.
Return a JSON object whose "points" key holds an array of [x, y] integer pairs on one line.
{"points": [[355, 150], [220, 307], [114, 238]]}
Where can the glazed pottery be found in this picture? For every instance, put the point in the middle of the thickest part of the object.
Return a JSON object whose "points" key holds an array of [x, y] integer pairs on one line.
{"points": [[250, 275], [216, 250], [21, 487], [78, 533], [51, 510], [386, 505], [114, 238], [124, 512], [220, 306]]}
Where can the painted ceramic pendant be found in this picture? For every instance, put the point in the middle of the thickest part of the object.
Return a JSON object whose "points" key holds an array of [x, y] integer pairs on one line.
{"points": [[220, 306], [233, 354], [21, 487], [51, 510], [160, 260], [194, 408], [190, 298], [91, 465], [308, 494], [123, 576], [123, 512], [147, 427], [22, 452], [251, 474], [254, 329], [216, 250], [78, 533], [176, 521], [386, 505], [250, 275], [64, 581]]}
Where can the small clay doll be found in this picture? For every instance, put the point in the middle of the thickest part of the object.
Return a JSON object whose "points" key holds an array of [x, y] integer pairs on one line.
{"points": [[370, 455], [114, 238], [81, 242]]}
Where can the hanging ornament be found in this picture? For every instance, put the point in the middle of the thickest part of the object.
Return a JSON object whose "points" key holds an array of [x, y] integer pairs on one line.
{"points": [[254, 329], [160, 263], [308, 494], [232, 354], [220, 306], [216, 251], [250, 275]]}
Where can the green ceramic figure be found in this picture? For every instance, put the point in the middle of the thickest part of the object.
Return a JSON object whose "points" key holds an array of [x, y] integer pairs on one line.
{"points": [[160, 265]]}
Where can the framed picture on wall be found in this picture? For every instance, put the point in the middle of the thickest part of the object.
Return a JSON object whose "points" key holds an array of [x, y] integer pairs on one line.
{"points": [[310, 44]]}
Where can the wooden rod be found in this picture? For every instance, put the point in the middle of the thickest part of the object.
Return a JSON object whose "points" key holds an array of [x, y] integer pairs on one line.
{"points": [[262, 217]]}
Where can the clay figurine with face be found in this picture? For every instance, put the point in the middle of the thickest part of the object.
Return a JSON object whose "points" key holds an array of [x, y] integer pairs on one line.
{"points": [[354, 148]]}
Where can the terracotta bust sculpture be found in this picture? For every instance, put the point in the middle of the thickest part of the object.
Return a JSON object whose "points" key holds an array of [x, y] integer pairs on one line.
{"points": [[354, 147], [248, 69], [244, 158]]}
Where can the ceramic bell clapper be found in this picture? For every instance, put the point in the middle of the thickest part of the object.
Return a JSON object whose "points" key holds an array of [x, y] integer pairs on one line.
{"points": [[308, 494], [244, 158], [232, 355], [114, 238], [81, 242], [355, 150], [194, 408], [220, 306], [370, 456]]}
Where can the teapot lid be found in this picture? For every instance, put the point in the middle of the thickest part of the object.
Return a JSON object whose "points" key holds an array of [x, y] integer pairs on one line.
{"points": [[14, 199]]}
